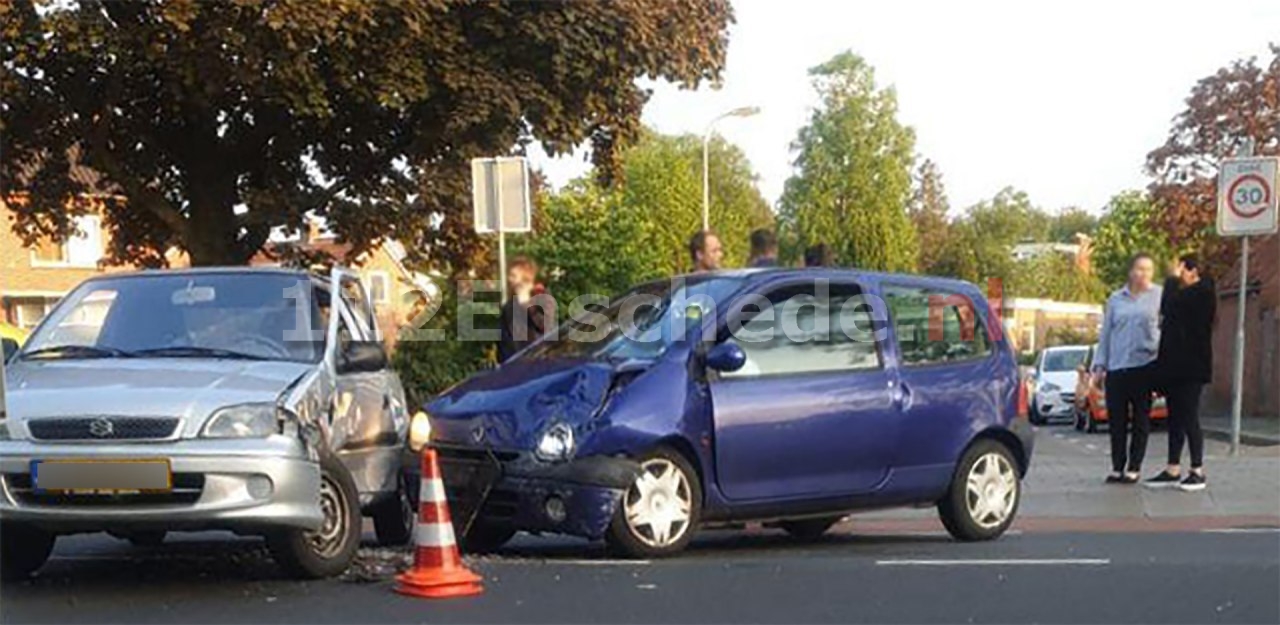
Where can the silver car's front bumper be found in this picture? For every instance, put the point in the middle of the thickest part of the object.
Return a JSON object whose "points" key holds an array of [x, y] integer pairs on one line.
{"points": [[239, 485]]}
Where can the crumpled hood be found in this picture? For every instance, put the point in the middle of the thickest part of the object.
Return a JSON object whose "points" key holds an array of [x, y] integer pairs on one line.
{"points": [[1064, 380], [184, 387], [510, 407]]}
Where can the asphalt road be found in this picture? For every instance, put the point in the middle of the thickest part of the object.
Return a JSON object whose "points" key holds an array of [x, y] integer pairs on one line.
{"points": [[1169, 558]]}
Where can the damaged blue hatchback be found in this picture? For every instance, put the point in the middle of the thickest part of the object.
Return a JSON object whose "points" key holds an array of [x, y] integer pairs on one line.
{"points": [[786, 396]]}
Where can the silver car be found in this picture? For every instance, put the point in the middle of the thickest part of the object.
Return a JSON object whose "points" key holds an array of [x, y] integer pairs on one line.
{"points": [[253, 400]]}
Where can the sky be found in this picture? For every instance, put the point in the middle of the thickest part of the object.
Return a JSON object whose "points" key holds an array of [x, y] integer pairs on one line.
{"points": [[1062, 100]]}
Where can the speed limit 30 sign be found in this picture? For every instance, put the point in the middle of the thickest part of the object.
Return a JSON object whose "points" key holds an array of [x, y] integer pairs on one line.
{"points": [[1247, 196]]}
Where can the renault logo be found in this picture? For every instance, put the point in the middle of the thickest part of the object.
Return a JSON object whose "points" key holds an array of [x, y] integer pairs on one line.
{"points": [[101, 427], [477, 434]]}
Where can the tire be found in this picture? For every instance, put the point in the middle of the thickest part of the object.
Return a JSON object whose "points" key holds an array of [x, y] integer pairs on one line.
{"points": [[809, 529], [627, 535], [1035, 415], [1080, 421], [984, 494], [329, 550], [23, 550], [147, 538], [486, 538], [394, 518]]}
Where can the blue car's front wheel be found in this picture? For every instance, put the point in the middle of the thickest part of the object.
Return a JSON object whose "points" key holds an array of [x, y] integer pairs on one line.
{"points": [[659, 513]]}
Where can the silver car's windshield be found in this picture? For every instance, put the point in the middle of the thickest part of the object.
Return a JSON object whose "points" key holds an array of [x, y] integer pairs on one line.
{"points": [[259, 316]]}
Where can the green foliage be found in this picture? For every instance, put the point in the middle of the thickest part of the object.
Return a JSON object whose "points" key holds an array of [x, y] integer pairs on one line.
{"points": [[1069, 222], [928, 211], [434, 357], [598, 241], [364, 113], [1070, 335], [1055, 276], [853, 178], [1125, 230]]}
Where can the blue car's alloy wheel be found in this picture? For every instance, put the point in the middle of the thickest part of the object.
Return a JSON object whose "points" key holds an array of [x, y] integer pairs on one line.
{"points": [[984, 493]]}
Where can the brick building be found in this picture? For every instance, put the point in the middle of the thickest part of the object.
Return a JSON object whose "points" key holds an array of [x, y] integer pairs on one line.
{"points": [[1262, 328]]}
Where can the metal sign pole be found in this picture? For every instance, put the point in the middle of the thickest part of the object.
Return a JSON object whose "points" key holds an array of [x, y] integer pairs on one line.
{"points": [[1237, 372]]}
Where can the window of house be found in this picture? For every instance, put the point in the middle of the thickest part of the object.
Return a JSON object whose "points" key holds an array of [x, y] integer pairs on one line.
{"points": [[807, 334], [934, 326], [379, 287], [82, 249], [29, 312]]}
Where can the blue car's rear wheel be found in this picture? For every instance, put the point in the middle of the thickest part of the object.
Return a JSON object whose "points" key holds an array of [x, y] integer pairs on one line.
{"points": [[659, 513], [984, 493]]}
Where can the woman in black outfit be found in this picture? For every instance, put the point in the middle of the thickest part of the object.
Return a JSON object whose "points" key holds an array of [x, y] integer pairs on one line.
{"points": [[1185, 365]]}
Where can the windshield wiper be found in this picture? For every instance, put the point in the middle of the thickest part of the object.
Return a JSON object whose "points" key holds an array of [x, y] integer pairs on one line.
{"points": [[192, 351], [76, 351]]}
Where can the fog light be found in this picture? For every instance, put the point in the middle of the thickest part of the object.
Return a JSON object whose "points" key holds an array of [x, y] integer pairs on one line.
{"points": [[260, 486], [555, 509]]}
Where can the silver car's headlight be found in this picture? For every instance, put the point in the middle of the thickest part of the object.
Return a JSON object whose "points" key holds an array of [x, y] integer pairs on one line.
{"points": [[556, 444], [244, 421]]}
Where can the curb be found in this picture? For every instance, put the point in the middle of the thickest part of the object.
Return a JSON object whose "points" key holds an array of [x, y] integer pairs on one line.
{"points": [[1246, 438]]}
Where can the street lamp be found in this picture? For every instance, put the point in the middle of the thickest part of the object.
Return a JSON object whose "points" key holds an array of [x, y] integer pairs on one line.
{"points": [[743, 111]]}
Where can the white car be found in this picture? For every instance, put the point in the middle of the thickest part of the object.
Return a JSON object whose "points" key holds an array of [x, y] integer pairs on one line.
{"points": [[1053, 390]]}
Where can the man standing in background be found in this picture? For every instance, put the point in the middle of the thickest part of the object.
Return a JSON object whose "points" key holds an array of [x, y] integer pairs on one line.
{"points": [[529, 311], [705, 251]]}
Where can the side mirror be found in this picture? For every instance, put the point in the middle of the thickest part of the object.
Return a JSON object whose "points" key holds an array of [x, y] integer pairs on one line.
{"points": [[362, 357], [11, 347], [726, 357]]}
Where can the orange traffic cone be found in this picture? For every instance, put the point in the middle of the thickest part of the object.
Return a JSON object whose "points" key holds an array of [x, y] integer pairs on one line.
{"points": [[438, 571]]}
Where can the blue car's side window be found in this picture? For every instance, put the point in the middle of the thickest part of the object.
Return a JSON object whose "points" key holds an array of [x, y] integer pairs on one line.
{"points": [[799, 331], [935, 326]]}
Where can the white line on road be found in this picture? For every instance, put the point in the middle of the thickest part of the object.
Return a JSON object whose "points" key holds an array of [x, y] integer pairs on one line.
{"points": [[1242, 530], [1091, 447], [1015, 562]]}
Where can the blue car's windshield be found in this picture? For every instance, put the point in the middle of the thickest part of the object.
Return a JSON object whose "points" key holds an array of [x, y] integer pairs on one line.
{"points": [[243, 315], [641, 323]]}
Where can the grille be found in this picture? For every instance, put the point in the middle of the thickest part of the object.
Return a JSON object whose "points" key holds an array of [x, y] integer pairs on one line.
{"points": [[102, 428]]}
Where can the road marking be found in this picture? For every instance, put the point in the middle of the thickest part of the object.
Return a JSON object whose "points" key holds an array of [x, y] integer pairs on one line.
{"points": [[1242, 530], [1023, 562], [600, 562], [1091, 447]]}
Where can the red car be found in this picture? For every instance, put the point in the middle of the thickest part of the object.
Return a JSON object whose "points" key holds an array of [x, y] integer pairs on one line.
{"points": [[1091, 405]]}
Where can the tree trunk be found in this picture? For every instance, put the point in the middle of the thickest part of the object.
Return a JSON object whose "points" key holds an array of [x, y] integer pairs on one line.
{"points": [[212, 237]]}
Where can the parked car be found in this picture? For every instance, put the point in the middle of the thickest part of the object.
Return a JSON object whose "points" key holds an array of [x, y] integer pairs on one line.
{"points": [[637, 436], [252, 400], [11, 340], [1053, 394], [1091, 400]]}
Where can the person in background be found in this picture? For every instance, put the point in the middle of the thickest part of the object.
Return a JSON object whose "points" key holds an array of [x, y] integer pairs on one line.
{"points": [[1185, 365], [705, 251], [1125, 364], [529, 309], [764, 248], [819, 256]]}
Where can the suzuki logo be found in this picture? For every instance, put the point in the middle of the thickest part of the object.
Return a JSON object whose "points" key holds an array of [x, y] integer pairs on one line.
{"points": [[101, 427]]}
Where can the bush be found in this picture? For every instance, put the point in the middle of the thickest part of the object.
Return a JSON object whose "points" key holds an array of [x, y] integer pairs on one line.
{"points": [[428, 367]]}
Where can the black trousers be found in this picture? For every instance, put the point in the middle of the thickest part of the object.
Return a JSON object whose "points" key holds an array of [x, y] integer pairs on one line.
{"points": [[1184, 422], [1129, 415]]}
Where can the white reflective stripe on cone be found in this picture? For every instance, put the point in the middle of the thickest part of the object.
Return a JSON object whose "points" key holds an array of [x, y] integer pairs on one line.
{"points": [[431, 491], [433, 535]]}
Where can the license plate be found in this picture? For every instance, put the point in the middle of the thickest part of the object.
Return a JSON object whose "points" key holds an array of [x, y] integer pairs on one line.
{"points": [[102, 476]]}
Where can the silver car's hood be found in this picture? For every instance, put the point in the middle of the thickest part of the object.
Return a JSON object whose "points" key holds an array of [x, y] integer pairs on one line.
{"points": [[177, 387]]}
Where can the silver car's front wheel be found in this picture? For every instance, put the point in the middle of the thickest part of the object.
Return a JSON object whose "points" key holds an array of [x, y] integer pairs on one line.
{"points": [[659, 511], [329, 549]]}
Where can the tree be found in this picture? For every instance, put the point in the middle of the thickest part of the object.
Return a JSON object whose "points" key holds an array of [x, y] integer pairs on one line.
{"points": [[595, 240], [853, 171], [981, 243], [219, 121], [1069, 222], [1054, 276], [928, 211], [1126, 229], [1238, 102]]}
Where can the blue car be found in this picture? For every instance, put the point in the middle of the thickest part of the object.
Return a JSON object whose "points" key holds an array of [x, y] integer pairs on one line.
{"points": [[786, 396]]}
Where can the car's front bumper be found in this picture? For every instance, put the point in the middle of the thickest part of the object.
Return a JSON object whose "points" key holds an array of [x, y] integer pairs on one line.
{"points": [[240, 485], [1056, 405], [515, 490]]}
